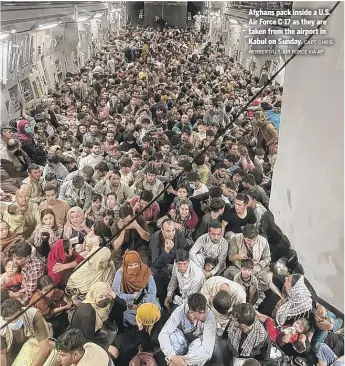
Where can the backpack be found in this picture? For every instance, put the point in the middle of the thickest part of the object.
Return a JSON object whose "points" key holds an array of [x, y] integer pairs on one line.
{"points": [[143, 359]]}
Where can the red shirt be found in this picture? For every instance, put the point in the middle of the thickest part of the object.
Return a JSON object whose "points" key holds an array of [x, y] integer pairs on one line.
{"points": [[275, 334], [149, 214]]}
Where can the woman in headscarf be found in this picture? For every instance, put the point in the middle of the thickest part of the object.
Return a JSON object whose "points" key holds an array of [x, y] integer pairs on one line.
{"points": [[91, 314], [98, 268], [26, 138], [7, 240], [47, 231], [144, 335], [75, 226], [61, 260], [134, 283], [264, 132], [296, 303]]}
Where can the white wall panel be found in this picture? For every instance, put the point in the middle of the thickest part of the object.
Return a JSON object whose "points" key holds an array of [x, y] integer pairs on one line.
{"points": [[307, 197]]}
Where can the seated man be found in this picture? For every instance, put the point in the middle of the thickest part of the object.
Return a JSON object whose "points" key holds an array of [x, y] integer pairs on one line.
{"points": [[163, 247], [130, 236], [249, 282], [32, 269], [74, 350], [217, 206], [148, 182], [210, 245], [33, 184], [22, 334], [247, 336], [188, 337], [186, 276], [251, 245], [222, 294]]}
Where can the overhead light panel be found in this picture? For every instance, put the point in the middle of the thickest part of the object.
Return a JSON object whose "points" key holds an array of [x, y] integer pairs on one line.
{"points": [[233, 21], [83, 18], [3, 36], [98, 15], [48, 26]]}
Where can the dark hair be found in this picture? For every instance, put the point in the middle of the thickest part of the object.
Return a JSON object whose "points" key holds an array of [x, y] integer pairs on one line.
{"points": [[247, 263], [146, 195], [238, 171], [200, 160], [193, 177], [168, 219], [47, 211], [214, 224], [109, 213], [249, 179], [244, 314], [117, 172], [78, 179], [220, 166], [151, 171], [126, 163], [88, 170], [10, 307], [182, 255], [49, 177], [102, 167], [96, 197], [216, 204], [242, 197], [253, 194], [215, 192], [125, 211], [197, 302], [44, 281], [230, 184], [259, 151], [71, 340], [232, 158], [49, 187], [211, 261], [4, 295], [250, 231], [186, 165], [33, 167], [66, 246], [222, 302], [22, 250], [158, 156]]}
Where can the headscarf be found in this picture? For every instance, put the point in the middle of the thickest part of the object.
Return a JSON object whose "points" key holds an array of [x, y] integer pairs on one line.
{"points": [[254, 340], [148, 315], [297, 302], [93, 269], [24, 136], [95, 292], [67, 232], [134, 279]]}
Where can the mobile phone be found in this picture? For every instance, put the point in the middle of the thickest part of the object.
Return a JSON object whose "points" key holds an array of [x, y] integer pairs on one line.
{"points": [[74, 241], [299, 347]]}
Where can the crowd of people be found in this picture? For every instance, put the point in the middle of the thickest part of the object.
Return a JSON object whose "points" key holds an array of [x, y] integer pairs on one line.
{"points": [[132, 234]]}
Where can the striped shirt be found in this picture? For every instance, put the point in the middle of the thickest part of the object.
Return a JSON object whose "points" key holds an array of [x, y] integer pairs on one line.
{"points": [[208, 249], [188, 283]]}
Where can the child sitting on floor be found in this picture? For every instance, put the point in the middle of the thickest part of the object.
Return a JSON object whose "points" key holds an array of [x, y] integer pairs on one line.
{"points": [[296, 334], [248, 280]]}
